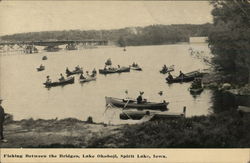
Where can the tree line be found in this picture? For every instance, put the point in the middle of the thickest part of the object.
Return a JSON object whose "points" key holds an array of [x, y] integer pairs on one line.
{"points": [[229, 39], [130, 36]]}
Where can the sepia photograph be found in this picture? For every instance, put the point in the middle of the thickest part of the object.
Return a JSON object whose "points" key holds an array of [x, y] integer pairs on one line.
{"points": [[125, 74]]}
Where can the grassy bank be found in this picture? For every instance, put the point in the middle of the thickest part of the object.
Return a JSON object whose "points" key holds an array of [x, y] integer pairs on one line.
{"points": [[224, 130]]}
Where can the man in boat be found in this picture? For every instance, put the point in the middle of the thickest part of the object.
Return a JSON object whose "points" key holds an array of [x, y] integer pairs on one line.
{"points": [[139, 98], [48, 80], [41, 65], [170, 77], [77, 68], [67, 70], [81, 76], [87, 73], [181, 74], [164, 68], [2, 118], [94, 71], [61, 78], [118, 66]]}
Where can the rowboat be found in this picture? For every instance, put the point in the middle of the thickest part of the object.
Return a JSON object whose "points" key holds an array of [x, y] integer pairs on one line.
{"points": [[152, 114], [79, 71], [195, 90], [167, 70], [114, 70], [137, 68], [69, 80], [186, 78], [41, 68], [87, 79], [126, 104]]}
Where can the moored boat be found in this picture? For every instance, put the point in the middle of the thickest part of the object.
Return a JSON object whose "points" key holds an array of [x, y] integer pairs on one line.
{"points": [[69, 80], [154, 114], [126, 104]]}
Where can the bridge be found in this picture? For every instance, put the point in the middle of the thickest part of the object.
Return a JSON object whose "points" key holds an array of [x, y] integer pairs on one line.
{"points": [[29, 46]]}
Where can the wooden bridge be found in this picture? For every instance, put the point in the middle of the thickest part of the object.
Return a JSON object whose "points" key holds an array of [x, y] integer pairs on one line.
{"points": [[56, 42], [51, 45]]}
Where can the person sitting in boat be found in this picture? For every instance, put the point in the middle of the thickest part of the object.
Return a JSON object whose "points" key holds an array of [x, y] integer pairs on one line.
{"points": [[81, 76], [164, 68], [67, 70], [118, 66], [94, 71], [170, 76], [41, 65], [181, 74], [87, 73], [133, 65], [77, 68], [139, 98], [61, 78], [48, 80]]}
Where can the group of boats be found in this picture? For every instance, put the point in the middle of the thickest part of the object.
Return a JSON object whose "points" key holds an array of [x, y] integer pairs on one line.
{"points": [[131, 109]]}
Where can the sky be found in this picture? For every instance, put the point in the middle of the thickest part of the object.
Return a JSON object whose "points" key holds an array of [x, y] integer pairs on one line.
{"points": [[35, 16]]}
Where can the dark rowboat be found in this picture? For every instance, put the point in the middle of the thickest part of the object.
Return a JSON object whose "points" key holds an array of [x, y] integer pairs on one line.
{"points": [[186, 78], [74, 72], [69, 80], [87, 79], [41, 68], [169, 69], [137, 68], [155, 114], [126, 104], [114, 70]]}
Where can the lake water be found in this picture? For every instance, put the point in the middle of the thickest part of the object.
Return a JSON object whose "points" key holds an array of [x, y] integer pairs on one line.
{"points": [[26, 97]]}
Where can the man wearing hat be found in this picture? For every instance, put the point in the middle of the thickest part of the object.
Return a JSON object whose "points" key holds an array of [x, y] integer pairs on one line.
{"points": [[2, 116]]}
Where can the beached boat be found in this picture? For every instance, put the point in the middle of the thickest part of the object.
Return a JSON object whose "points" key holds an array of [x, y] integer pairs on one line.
{"points": [[126, 104], [167, 70], [69, 80], [41, 68], [152, 114], [88, 79], [111, 70], [79, 71]]}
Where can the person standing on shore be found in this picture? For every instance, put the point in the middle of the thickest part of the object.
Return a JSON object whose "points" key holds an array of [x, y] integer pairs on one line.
{"points": [[2, 117]]}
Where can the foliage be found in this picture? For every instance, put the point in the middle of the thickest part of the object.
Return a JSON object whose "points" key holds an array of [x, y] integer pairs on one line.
{"points": [[149, 35], [224, 130], [229, 39]]}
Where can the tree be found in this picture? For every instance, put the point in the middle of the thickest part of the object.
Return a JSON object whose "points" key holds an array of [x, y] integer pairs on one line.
{"points": [[229, 39]]}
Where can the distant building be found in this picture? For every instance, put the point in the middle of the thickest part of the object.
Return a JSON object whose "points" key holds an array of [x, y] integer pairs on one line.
{"points": [[198, 39]]}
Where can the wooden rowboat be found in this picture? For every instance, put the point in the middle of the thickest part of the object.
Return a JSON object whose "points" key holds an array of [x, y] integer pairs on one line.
{"points": [[153, 114], [114, 70], [69, 80], [127, 104], [74, 72], [87, 79], [41, 68]]}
